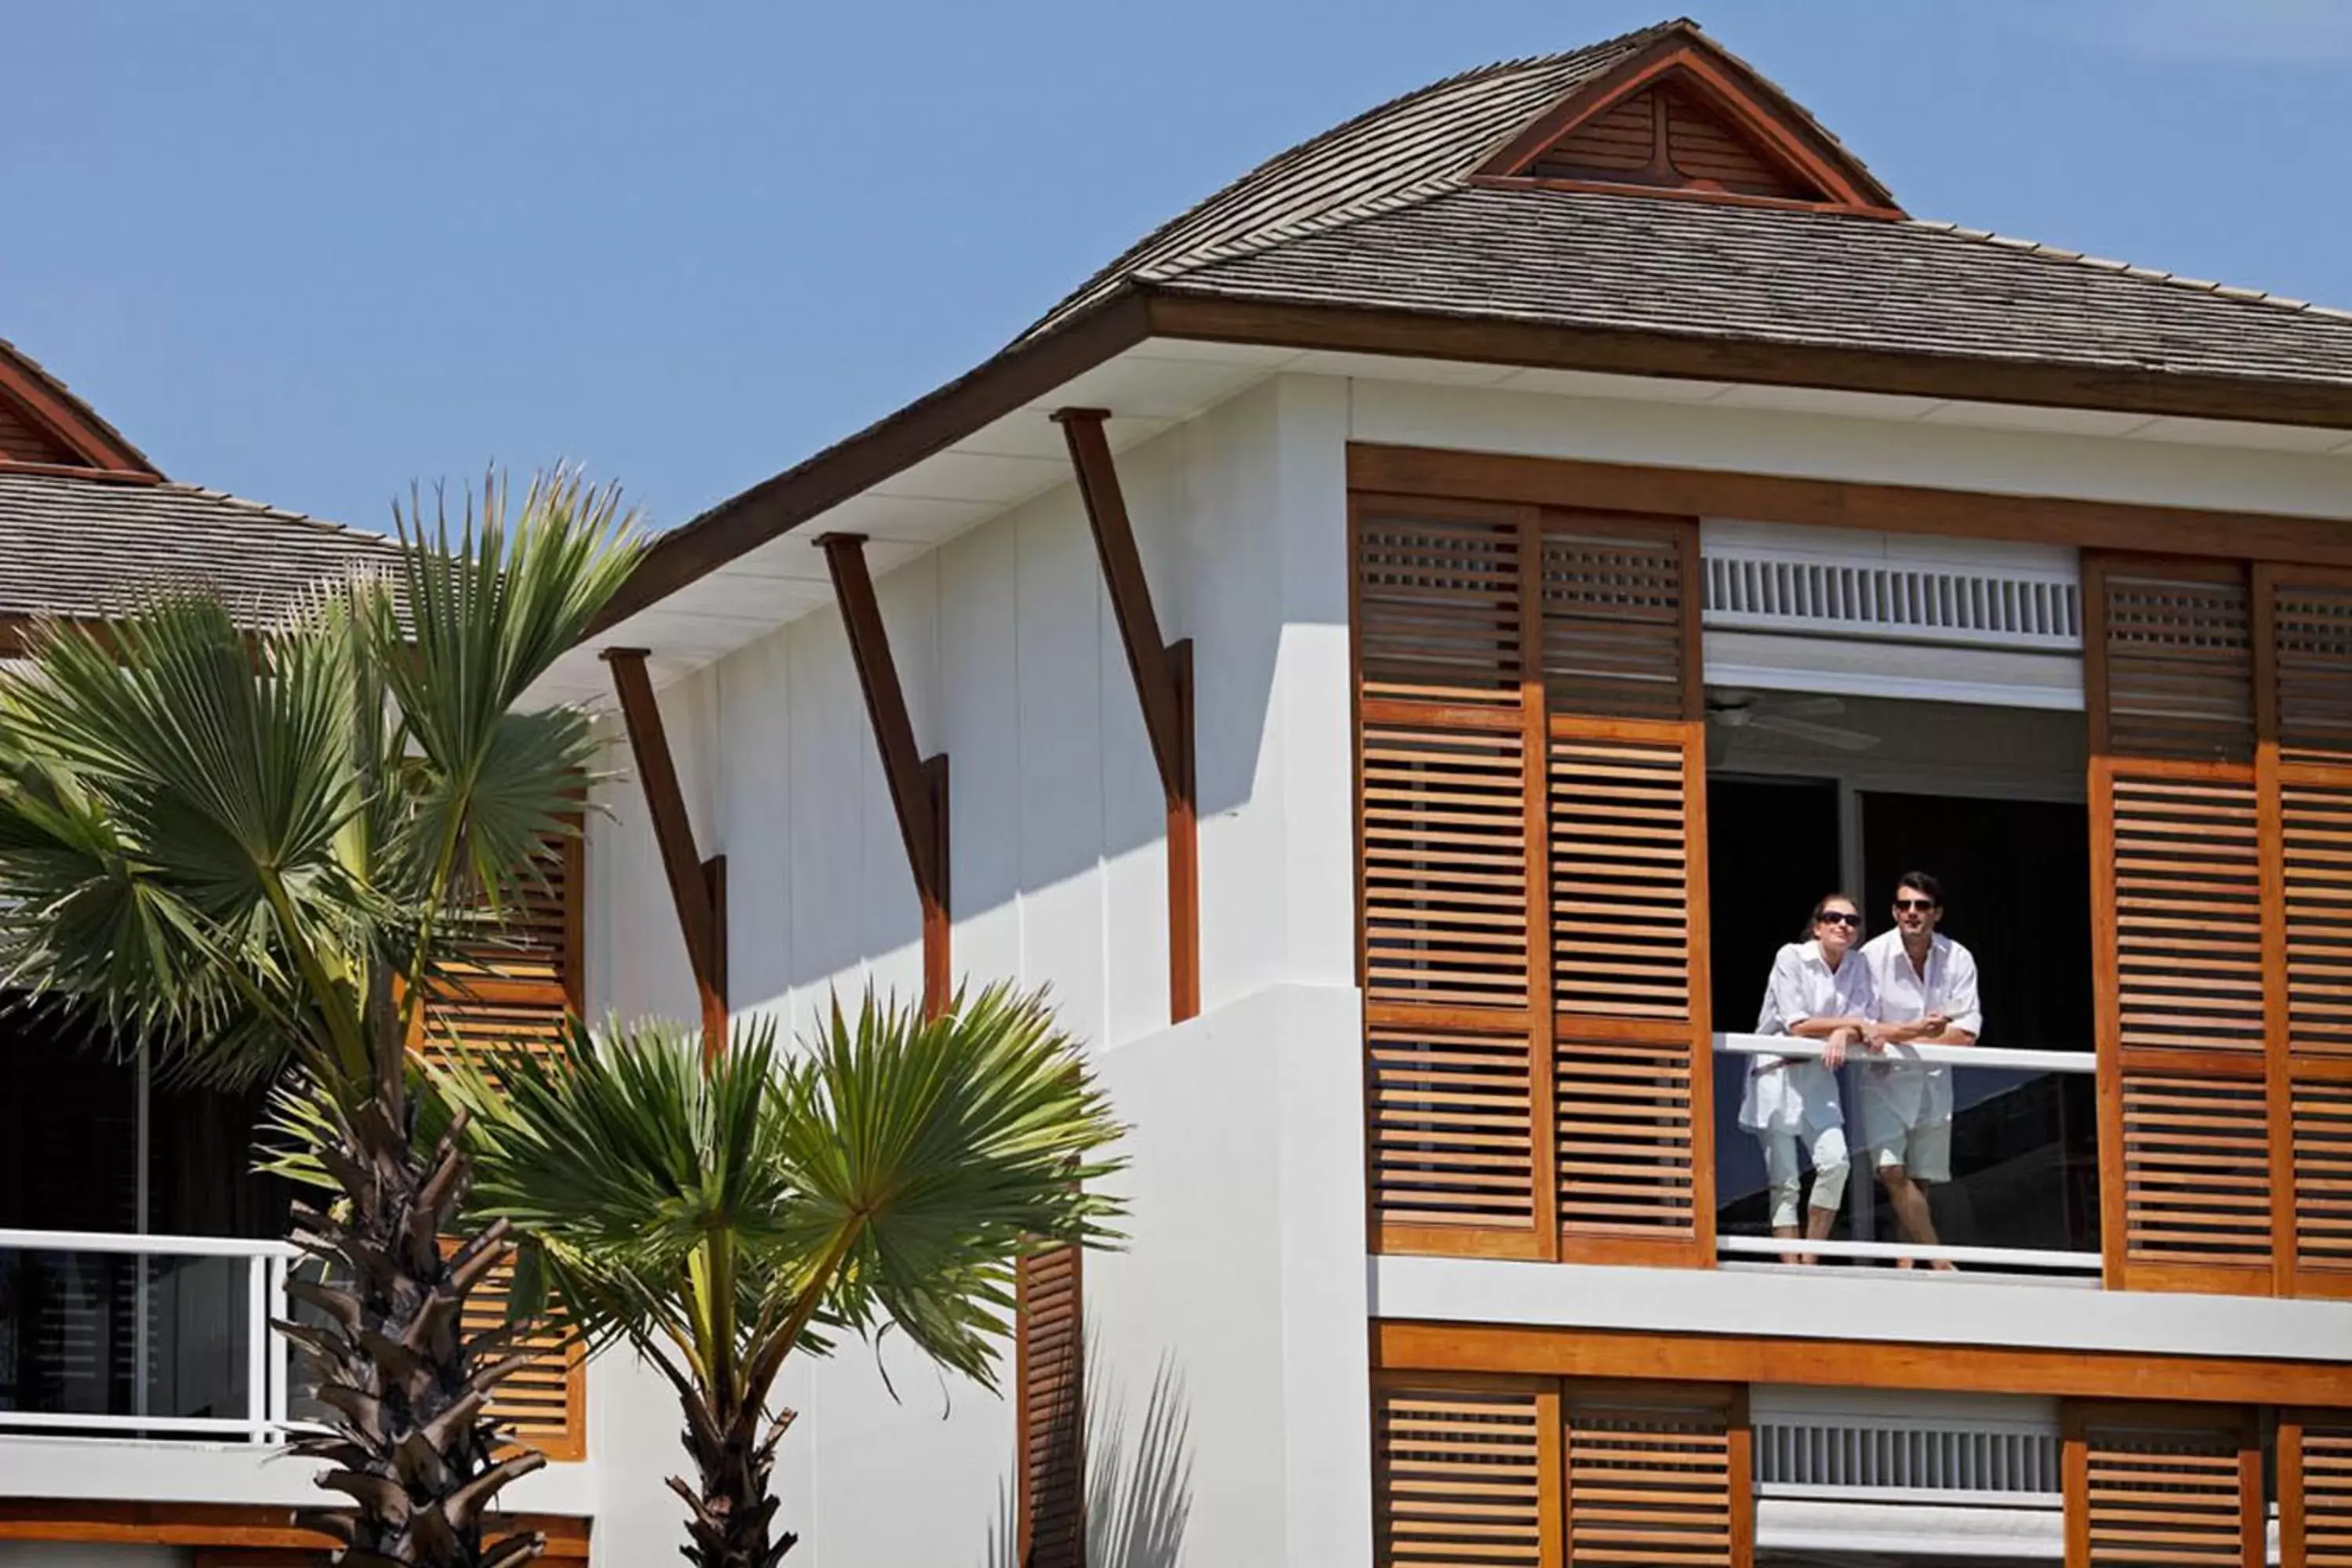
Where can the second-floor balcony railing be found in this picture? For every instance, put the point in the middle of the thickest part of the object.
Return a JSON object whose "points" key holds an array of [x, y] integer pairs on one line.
{"points": [[148, 1336], [1998, 1163]]}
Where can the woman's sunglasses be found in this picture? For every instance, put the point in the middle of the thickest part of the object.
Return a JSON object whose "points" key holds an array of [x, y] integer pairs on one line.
{"points": [[1834, 919]]}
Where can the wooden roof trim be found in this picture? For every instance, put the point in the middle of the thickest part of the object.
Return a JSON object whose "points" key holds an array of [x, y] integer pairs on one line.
{"points": [[74, 471], [1546, 1351], [1678, 192], [1755, 108], [1030, 373], [72, 422], [1701, 356]]}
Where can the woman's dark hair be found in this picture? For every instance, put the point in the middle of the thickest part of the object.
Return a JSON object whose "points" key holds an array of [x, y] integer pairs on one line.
{"points": [[1822, 903], [1923, 883]]}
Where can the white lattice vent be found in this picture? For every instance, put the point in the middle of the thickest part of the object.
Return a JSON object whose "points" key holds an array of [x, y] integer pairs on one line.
{"points": [[1847, 1455], [1990, 603]]}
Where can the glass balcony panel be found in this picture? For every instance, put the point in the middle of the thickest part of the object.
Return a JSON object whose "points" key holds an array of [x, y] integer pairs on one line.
{"points": [[2017, 1161], [124, 1336]]}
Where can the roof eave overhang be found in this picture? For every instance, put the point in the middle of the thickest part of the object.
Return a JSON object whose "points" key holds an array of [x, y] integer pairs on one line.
{"points": [[1029, 370]]}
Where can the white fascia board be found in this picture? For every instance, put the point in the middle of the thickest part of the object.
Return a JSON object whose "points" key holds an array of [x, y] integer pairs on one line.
{"points": [[1909, 1531], [2000, 677], [1930, 1308], [103, 1469]]}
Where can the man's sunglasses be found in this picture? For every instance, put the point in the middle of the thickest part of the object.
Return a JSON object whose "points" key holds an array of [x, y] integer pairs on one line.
{"points": [[1922, 905], [1838, 920]]}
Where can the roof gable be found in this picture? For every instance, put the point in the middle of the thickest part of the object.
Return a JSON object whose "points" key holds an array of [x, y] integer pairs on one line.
{"points": [[1472, 127], [1682, 117], [43, 426]]}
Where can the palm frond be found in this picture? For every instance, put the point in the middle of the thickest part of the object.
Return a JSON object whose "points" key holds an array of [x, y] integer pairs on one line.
{"points": [[173, 802], [944, 1150], [485, 608]]}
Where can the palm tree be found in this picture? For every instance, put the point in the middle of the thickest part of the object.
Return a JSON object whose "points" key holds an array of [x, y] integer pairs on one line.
{"points": [[252, 851], [719, 1213]]}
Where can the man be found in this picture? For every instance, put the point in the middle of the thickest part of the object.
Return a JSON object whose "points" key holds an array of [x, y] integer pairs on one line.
{"points": [[1926, 994]]}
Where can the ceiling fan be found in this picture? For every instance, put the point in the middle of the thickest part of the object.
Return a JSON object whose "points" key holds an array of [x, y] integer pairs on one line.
{"points": [[1798, 717]]}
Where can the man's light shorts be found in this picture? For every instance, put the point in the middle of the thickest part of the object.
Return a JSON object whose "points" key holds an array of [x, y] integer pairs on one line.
{"points": [[1925, 1151]]}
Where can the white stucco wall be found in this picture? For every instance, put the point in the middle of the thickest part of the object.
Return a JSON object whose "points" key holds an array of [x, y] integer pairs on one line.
{"points": [[1010, 663], [1227, 1346]]}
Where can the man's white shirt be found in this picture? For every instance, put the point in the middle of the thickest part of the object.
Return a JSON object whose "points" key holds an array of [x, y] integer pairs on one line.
{"points": [[1911, 1095]]}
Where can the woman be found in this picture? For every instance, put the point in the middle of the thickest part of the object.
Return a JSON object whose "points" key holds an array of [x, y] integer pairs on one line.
{"points": [[1819, 990]]}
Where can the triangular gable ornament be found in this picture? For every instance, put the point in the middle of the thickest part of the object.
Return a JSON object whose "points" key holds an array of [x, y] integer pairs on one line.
{"points": [[1683, 118]]}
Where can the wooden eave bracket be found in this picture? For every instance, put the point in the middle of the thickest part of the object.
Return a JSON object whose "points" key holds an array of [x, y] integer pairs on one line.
{"points": [[696, 887], [1164, 685], [918, 785], [1716, 81]]}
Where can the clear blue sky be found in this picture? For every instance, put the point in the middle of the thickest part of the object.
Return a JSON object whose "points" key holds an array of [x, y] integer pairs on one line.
{"points": [[308, 253]]}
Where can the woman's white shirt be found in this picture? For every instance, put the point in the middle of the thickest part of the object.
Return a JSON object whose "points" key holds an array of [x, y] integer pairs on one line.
{"points": [[1788, 1097]]}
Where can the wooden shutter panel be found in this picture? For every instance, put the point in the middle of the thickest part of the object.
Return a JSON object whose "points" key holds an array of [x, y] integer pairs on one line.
{"points": [[2314, 1488], [1050, 1377], [518, 986], [1437, 604], [2163, 1484], [1657, 1473], [2178, 889], [543, 1405], [2176, 642], [1465, 1470], [1625, 802], [1450, 842], [519, 989], [1530, 781], [1445, 866], [2305, 618], [1452, 1141]]}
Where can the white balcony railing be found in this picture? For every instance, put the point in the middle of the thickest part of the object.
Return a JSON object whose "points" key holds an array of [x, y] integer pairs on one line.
{"points": [[155, 1336], [2046, 1260]]}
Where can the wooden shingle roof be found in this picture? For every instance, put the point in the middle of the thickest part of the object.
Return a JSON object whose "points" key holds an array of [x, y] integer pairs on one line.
{"points": [[88, 547], [1387, 212]]}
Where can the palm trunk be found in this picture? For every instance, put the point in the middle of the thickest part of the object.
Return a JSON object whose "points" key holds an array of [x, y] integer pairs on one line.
{"points": [[731, 1522], [405, 1386]]}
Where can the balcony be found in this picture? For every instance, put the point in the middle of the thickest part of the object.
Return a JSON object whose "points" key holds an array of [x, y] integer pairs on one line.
{"points": [[144, 1336], [2021, 1188]]}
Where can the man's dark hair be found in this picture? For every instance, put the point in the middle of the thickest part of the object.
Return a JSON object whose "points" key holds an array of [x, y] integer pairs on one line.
{"points": [[1921, 882]]}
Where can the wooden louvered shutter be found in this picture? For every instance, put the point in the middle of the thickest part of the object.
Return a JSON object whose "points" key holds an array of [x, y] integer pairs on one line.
{"points": [[1657, 1473], [518, 986], [2163, 1484], [1450, 839], [517, 990], [1531, 789], [2304, 619], [2314, 1488], [1625, 800], [2178, 885], [1049, 1353], [1465, 1470], [545, 1403]]}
